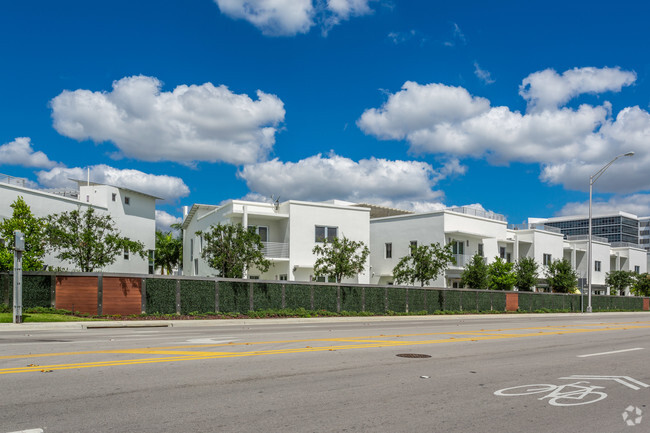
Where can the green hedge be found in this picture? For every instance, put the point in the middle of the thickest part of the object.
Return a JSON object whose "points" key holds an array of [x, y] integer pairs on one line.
{"points": [[161, 296], [267, 296], [375, 299], [197, 296], [36, 290], [297, 296], [234, 297]]}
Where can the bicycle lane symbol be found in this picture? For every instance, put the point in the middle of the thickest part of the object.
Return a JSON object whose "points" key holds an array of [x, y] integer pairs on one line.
{"points": [[570, 394]]}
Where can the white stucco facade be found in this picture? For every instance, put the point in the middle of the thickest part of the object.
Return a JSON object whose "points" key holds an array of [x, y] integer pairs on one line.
{"points": [[132, 212], [288, 231]]}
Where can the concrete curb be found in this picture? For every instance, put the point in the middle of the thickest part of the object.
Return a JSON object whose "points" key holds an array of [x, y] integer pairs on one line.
{"points": [[114, 324]]}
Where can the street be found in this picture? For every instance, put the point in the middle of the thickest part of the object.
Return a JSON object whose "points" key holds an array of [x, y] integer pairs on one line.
{"points": [[587, 373]]}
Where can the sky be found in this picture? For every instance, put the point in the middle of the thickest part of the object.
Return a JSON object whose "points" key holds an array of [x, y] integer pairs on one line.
{"points": [[508, 106]]}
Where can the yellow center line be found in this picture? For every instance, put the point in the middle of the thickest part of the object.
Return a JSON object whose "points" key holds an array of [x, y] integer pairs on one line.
{"points": [[182, 353]]}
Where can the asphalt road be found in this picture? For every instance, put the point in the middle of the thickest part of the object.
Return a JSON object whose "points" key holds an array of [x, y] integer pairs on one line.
{"points": [[332, 375]]}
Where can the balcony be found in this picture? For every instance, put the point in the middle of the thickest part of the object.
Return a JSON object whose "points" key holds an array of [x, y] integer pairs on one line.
{"points": [[275, 250], [462, 260], [626, 245], [477, 212], [534, 226], [586, 238]]}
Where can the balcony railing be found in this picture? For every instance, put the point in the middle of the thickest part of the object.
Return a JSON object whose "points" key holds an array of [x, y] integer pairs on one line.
{"points": [[276, 250], [462, 260], [586, 238], [626, 245], [13, 180], [534, 226], [477, 212]]}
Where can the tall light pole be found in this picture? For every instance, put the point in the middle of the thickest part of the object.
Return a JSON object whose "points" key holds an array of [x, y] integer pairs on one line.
{"points": [[592, 180]]}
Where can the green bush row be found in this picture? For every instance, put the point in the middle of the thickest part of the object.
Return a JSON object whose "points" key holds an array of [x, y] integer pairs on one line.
{"points": [[200, 297]]}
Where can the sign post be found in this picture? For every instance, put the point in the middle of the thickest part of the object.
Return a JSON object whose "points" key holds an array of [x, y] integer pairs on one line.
{"points": [[19, 247]]}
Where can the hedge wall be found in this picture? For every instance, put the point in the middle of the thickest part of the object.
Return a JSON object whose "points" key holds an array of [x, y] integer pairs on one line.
{"points": [[208, 295]]}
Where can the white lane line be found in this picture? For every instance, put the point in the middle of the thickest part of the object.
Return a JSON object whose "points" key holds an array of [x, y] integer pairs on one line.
{"points": [[610, 353], [34, 430]]}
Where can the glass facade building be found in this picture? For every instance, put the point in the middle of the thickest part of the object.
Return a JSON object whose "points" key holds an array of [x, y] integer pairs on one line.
{"points": [[616, 228]]}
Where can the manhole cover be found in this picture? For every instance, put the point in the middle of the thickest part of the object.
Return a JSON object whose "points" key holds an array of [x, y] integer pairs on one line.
{"points": [[413, 355]]}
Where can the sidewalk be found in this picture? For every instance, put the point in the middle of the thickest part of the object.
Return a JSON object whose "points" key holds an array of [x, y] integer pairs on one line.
{"points": [[46, 326]]}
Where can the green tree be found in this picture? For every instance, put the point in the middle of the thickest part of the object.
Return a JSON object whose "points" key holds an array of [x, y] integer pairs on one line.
{"points": [[501, 275], [425, 263], [87, 239], [32, 227], [232, 250], [641, 284], [526, 271], [618, 281], [169, 251], [475, 273], [561, 277], [341, 258]]}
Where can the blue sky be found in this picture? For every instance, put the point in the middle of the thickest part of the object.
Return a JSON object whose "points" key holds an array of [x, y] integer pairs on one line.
{"points": [[411, 104]]}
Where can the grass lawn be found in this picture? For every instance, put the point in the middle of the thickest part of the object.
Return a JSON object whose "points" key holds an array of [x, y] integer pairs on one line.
{"points": [[43, 317]]}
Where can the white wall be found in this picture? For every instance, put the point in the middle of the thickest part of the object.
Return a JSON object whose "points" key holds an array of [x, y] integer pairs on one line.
{"points": [[136, 223], [351, 222]]}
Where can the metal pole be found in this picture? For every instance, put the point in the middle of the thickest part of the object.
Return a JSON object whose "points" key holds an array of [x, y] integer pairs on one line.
{"points": [[19, 246], [591, 184]]}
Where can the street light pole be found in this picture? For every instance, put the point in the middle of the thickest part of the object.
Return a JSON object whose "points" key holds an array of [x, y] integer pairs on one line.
{"points": [[592, 180]]}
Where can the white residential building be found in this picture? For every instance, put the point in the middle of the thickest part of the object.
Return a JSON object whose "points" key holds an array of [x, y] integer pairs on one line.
{"points": [[470, 232], [289, 231], [132, 212]]}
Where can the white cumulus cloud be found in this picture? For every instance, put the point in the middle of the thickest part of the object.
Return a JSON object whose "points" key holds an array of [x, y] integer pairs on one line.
{"points": [[191, 123], [291, 17], [164, 220], [637, 204], [570, 143], [403, 184], [20, 152], [166, 187], [547, 89]]}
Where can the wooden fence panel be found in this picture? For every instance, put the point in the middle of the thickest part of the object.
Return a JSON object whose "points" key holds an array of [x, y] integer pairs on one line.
{"points": [[122, 296], [77, 294]]}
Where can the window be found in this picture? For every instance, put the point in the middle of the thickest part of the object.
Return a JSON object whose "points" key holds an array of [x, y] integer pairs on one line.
{"points": [[637, 269], [200, 244], [191, 249], [389, 250], [152, 264], [126, 254], [458, 247], [113, 196], [196, 266], [547, 259], [87, 198], [323, 279], [127, 200], [480, 250], [502, 252], [413, 245], [597, 266], [508, 258], [283, 277], [324, 233], [262, 231], [253, 277]]}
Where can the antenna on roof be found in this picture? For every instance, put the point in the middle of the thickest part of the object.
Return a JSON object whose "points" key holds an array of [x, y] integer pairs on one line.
{"points": [[276, 201]]}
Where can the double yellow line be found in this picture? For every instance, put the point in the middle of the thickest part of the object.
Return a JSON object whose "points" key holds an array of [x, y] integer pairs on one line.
{"points": [[183, 353]]}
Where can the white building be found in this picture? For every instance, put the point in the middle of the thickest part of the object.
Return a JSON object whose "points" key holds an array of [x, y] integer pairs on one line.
{"points": [[132, 212], [470, 232], [289, 232]]}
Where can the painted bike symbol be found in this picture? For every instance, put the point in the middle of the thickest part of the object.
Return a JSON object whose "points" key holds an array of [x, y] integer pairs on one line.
{"points": [[570, 394]]}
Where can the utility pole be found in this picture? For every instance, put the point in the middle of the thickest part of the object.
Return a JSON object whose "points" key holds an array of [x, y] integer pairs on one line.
{"points": [[19, 247]]}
